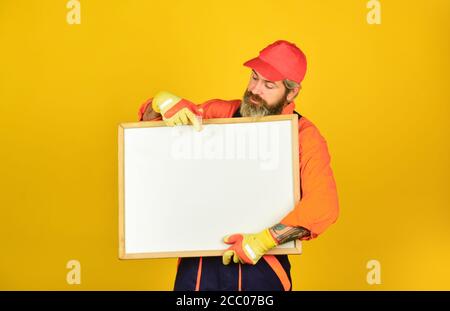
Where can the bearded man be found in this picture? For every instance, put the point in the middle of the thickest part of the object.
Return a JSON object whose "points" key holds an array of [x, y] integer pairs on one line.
{"points": [[275, 81]]}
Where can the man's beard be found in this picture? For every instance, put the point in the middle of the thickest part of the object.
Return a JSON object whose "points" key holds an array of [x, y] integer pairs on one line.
{"points": [[249, 109]]}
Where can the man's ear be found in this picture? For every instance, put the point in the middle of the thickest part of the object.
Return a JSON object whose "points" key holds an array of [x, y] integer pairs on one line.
{"points": [[292, 93]]}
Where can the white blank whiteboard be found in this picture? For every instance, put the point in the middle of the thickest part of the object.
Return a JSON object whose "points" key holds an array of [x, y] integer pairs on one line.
{"points": [[181, 191]]}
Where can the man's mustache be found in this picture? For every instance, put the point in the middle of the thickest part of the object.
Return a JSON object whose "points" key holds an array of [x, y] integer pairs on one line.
{"points": [[254, 97]]}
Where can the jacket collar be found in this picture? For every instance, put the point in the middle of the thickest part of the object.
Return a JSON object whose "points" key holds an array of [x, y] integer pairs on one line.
{"points": [[289, 108]]}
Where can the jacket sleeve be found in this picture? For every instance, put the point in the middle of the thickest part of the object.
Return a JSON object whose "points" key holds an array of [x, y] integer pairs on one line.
{"points": [[318, 207], [213, 108], [218, 108]]}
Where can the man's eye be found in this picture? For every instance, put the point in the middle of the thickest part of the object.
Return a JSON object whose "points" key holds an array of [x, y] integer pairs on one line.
{"points": [[254, 78], [269, 86]]}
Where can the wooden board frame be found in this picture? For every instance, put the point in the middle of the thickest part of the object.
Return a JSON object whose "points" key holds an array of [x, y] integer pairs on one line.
{"points": [[296, 250]]}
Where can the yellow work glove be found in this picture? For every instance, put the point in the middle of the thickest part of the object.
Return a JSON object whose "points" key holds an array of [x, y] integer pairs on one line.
{"points": [[177, 111], [248, 248]]}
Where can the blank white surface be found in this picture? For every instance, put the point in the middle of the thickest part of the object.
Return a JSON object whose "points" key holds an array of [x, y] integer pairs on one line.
{"points": [[186, 190]]}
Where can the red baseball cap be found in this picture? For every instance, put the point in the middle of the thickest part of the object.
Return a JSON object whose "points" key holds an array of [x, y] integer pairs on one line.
{"points": [[280, 60]]}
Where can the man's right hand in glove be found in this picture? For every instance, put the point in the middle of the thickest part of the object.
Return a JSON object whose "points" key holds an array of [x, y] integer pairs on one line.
{"points": [[177, 111]]}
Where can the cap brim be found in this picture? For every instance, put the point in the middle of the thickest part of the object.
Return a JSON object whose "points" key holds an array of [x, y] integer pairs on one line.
{"points": [[265, 69]]}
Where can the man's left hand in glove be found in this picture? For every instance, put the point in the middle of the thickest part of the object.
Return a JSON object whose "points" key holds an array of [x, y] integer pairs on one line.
{"points": [[249, 248]]}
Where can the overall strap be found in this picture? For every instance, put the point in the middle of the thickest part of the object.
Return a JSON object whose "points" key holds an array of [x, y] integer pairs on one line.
{"points": [[299, 115], [276, 266], [237, 113]]}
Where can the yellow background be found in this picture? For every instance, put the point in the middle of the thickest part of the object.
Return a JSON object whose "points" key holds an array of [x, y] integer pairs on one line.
{"points": [[378, 93]]}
